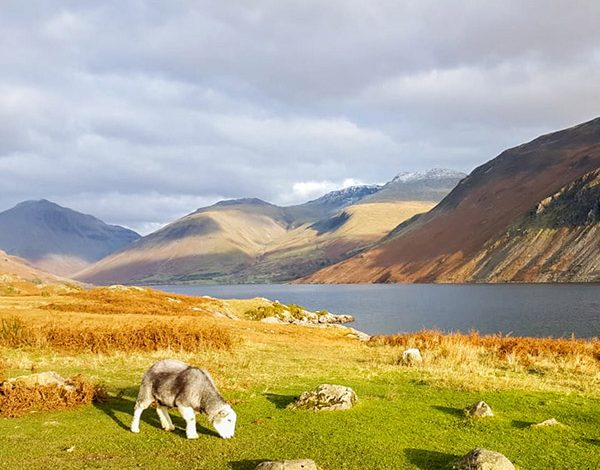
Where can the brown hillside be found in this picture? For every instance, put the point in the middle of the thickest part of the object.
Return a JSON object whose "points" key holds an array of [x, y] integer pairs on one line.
{"points": [[560, 241], [480, 209], [14, 266]]}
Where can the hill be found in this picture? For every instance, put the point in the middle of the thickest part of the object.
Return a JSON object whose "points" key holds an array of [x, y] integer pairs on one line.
{"points": [[12, 265], [464, 237], [223, 238], [249, 240], [559, 241], [56, 239]]}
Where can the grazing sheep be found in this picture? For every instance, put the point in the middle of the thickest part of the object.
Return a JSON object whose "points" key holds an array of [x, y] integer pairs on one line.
{"points": [[177, 384]]}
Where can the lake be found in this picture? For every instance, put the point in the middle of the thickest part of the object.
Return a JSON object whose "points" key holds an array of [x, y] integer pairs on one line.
{"points": [[519, 309]]}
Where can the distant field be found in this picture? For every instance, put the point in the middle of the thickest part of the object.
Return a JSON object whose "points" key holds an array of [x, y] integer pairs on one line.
{"points": [[407, 417]]}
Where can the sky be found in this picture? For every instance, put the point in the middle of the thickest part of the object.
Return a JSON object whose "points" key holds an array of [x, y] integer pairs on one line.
{"points": [[139, 112]]}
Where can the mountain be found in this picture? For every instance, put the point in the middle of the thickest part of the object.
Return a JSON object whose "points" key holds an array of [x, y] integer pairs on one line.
{"points": [[558, 241], [432, 185], [56, 239], [208, 243], [249, 240], [329, 203], [484, 229]]}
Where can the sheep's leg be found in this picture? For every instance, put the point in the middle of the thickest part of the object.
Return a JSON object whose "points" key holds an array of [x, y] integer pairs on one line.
{"points": [[190, 419], [144, 400], [165, 419], [137, 414]]}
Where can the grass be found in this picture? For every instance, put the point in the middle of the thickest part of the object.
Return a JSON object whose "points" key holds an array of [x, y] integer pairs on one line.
{"points": [[406, 418]]}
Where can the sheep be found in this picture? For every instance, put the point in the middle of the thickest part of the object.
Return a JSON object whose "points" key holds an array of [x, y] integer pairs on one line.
{"points": [[177, 384]]}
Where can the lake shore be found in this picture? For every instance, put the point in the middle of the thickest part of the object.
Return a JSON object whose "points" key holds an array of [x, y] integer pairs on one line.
{"points": [[412, 412]]}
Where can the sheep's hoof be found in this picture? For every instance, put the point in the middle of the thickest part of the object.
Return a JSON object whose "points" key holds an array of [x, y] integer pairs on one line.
{"points": [[135, 430], [193, 436], [169, 428]]}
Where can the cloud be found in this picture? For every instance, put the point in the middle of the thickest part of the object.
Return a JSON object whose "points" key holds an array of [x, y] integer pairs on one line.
{"points": [[139, 112]]}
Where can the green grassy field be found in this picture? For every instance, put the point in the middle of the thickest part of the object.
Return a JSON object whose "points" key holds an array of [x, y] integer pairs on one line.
{"points": [[403, 420], [406, 418]]}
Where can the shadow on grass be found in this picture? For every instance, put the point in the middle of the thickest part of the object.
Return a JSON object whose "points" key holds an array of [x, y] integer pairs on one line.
{"points": [[280, 401], [457, 412], [116, 406], [521, 424], [595, 442], [245, 464], [430, 459]]}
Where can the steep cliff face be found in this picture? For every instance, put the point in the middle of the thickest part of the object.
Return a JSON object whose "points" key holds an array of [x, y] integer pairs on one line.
{"points": [[558, 241], [449, 243]]}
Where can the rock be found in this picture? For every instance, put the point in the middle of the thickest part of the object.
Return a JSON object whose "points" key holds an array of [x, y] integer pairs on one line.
{"points": [[359, 335], [411, 356], [483, 459], [479, 410], [272, 320], [326, 397], [41, 379], [548, 422], [303, 464]]}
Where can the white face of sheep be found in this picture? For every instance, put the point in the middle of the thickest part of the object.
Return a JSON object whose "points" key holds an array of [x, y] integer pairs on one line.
{"points": [[224, 422]]}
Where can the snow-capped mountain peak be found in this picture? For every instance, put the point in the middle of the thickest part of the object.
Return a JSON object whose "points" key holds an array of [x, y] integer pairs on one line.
{"points": [[433, 174]]}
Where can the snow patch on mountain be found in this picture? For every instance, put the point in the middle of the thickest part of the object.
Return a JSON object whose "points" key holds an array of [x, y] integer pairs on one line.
{"points": [[347, 196], [433, 174]]}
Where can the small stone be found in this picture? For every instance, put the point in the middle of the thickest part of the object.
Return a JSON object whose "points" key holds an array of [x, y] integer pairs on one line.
{"points": [[326, 397], [70, 449], [548, 422], [411, 356], [479, 410], [483, 459], [301, 464]]}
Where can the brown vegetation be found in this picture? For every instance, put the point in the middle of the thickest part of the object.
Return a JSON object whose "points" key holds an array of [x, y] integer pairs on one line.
{"points": [[17, 398], [499, 350], [182, 336], [133, 300]]}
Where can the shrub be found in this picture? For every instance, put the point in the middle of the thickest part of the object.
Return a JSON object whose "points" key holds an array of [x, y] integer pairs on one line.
{"points": [[14, 332], [18, 398], [183, 336]]}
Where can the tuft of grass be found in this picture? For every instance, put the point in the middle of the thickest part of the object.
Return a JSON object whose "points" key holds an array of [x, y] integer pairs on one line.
{"points": [[276, 310], [13, 332], [265, 311]]}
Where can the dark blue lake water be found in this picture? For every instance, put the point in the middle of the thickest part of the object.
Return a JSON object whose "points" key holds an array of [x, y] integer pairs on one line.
{"points": [[520, 309]]}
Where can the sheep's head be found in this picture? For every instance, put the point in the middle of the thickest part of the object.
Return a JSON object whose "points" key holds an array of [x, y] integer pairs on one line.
{"points": [[224, 422]]}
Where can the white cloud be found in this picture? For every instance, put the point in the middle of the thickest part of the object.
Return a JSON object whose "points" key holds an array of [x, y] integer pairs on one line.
{"points": [[115, 106]]}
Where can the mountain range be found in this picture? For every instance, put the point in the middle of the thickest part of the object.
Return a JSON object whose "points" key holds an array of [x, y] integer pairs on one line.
{"points": [[250, 240], [530, 214]]}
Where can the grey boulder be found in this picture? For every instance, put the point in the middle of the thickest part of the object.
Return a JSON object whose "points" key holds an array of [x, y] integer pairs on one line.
{"points": [[483, 459], [326, 397], [479, 410]]}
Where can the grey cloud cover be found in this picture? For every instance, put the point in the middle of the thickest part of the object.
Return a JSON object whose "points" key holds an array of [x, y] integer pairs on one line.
{"points": [[141, 111]]}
